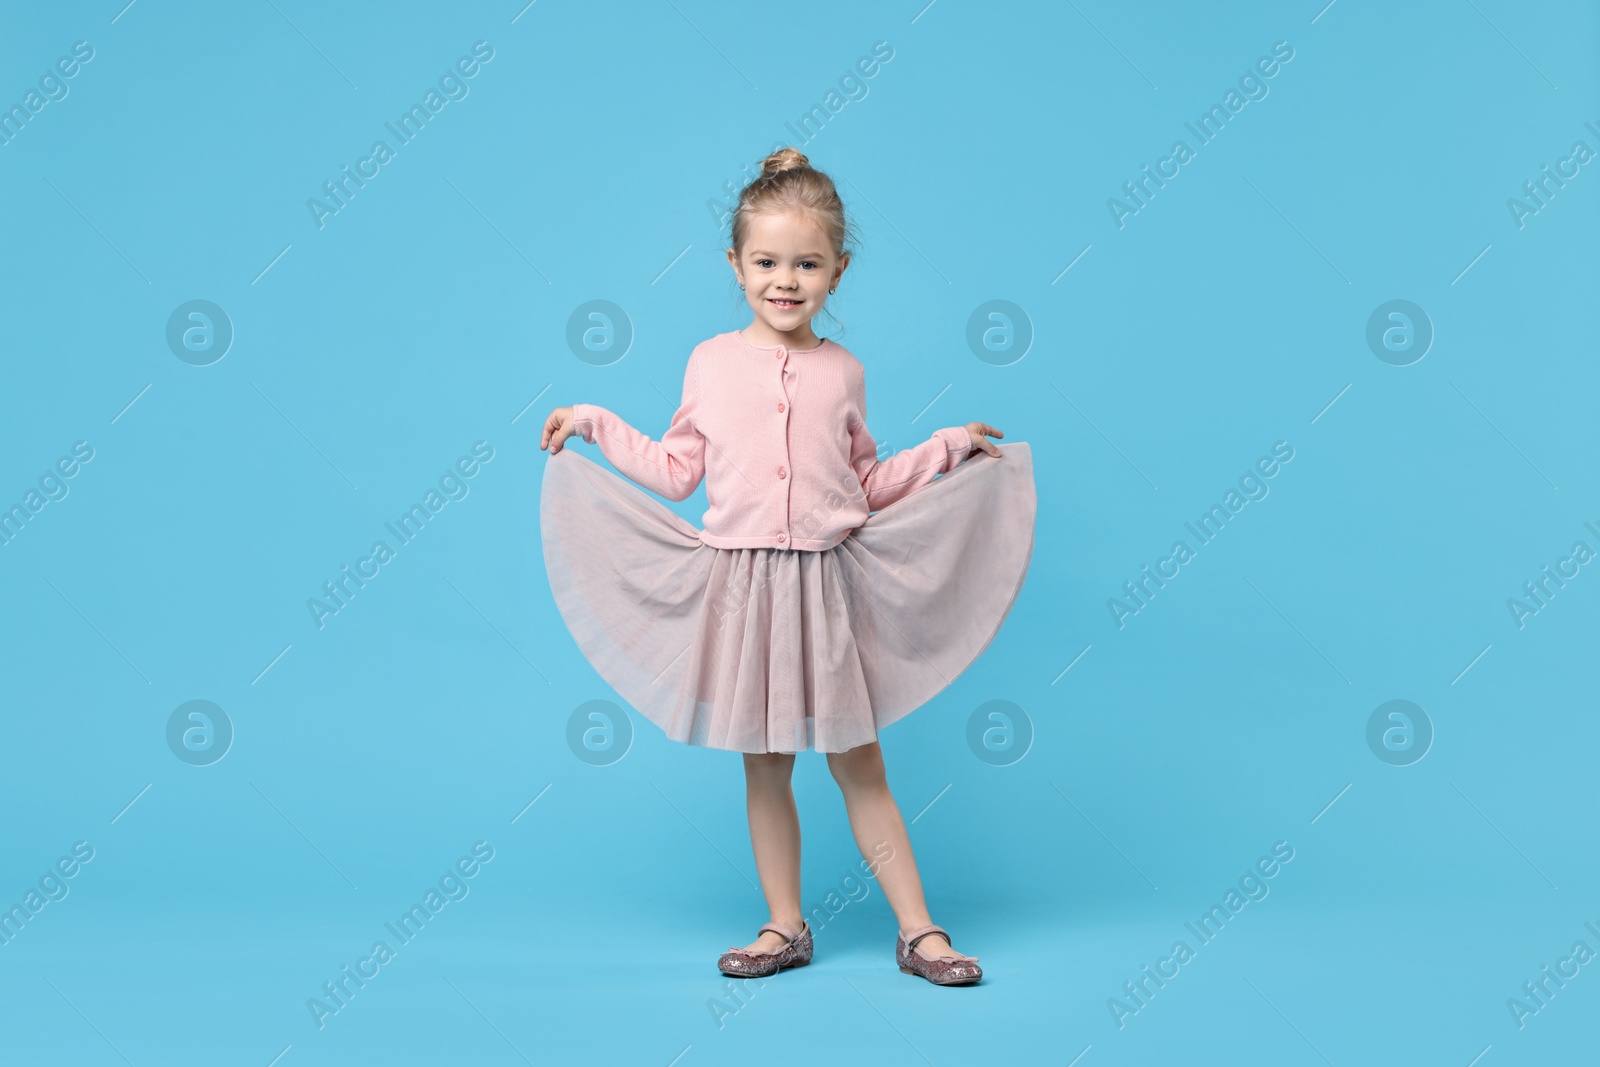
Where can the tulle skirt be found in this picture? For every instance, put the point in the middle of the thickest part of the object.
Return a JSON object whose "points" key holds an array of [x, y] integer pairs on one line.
{"points": [[781, 649]]}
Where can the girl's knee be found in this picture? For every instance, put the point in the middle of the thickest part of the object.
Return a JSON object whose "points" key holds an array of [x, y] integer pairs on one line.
{"points": [[862, 765]]}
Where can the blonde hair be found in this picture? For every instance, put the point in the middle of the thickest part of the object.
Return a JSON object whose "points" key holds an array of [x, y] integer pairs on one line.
{"points": [[788, 183]]}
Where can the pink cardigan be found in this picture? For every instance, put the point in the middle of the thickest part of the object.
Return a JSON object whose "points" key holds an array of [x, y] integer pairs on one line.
{"points": [[780, 437]]}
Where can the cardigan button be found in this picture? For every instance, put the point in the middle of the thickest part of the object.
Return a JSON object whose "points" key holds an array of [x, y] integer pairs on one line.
{"points": [[780, 407], [783, 537], [779, 353], [782, 473]]}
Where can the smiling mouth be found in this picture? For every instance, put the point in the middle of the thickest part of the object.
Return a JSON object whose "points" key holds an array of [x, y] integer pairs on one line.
{"points": [[784, 303]]}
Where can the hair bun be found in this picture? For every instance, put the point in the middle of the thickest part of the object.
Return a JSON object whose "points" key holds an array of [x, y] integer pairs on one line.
{"points": [[783, 159]]}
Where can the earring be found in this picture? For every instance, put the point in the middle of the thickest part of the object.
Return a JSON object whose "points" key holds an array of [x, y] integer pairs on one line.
{"points": [[835, 289], [741, 287]]}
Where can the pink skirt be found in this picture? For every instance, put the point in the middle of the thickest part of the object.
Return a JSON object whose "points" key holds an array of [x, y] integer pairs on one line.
{"points": [[781, 649]]}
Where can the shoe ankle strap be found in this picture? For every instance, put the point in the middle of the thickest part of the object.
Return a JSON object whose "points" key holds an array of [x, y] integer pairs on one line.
{"points": [[782, 931], [913, 936]]}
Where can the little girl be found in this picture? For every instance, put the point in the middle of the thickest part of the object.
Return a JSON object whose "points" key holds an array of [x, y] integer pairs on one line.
{"points": [[829, 594]]}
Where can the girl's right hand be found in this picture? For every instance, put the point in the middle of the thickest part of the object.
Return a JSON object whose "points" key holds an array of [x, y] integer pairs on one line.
{"points": [[557, 428]]}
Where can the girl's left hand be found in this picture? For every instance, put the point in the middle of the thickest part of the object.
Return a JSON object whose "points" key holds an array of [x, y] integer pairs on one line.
{"points": [[979, 432]]}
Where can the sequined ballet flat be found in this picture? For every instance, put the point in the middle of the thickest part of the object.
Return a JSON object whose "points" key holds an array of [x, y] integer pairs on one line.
{"points": [[797, 953], [940, 970]]}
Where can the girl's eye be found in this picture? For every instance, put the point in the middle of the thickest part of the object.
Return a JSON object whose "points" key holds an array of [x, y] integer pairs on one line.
{"points": [[807, 263], [763, 262]]}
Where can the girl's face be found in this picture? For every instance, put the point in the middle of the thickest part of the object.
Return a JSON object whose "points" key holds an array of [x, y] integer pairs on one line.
{"points": [[786, 268]]}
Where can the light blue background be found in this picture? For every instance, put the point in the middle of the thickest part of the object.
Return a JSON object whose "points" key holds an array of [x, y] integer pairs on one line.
{"points": [[431, 312]]}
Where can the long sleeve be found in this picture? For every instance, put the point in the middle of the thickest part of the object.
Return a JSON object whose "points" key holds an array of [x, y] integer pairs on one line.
{"points": [[906, 471], [672, 466]]}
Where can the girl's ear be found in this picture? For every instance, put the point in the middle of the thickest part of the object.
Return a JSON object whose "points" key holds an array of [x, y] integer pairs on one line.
{"points": [[733, 261]]}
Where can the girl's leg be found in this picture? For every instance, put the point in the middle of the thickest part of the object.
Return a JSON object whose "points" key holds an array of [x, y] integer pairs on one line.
{"points": [[875, 818], [775, 840]]}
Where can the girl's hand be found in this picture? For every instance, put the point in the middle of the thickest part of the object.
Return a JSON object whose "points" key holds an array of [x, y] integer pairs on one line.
{"points": [[557, 428], [979, 431]]}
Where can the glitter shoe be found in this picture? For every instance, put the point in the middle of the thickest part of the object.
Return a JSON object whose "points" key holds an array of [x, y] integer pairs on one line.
{"points": [[797, 953], [940, 970]]}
